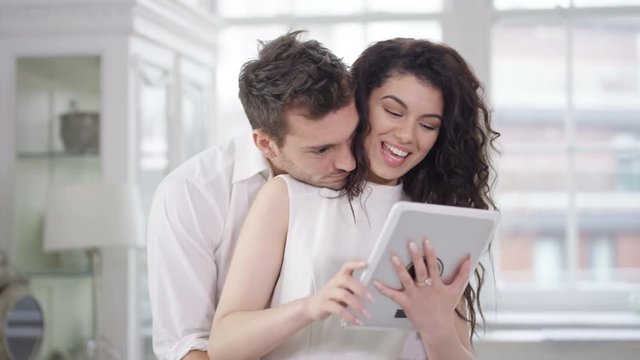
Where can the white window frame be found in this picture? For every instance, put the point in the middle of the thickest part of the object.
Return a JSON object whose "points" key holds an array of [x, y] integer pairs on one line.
{"points": [[522, 308]]}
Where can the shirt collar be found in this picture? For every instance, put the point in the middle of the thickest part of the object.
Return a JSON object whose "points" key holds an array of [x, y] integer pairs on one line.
{"points": [[248, 160]]}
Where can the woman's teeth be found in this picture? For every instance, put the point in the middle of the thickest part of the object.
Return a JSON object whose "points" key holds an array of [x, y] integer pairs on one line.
{"points": [[395, 151]]}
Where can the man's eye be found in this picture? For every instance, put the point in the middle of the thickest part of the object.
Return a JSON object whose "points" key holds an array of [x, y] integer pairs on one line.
{"points": [[321, 151], [392, 113]]}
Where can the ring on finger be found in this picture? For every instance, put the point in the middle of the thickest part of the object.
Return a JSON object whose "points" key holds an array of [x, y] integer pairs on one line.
{"points": [[425, 283]]}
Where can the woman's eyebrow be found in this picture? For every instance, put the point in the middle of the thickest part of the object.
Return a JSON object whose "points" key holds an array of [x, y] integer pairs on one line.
{"points": [[396, 99]]}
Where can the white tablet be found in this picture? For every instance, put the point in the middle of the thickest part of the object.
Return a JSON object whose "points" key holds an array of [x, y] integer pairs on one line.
{"points": [[454, 233]]}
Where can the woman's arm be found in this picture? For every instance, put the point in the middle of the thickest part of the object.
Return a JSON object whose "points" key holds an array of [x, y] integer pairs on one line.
{"points": [[243, 327], [431, 308], [238, 330]]}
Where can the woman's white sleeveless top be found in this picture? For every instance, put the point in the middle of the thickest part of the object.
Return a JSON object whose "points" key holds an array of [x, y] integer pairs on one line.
{"points": [[322, 236]]}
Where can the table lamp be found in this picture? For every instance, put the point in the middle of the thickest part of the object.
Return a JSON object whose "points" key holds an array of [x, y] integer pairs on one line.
{"points": [[93, 217]]}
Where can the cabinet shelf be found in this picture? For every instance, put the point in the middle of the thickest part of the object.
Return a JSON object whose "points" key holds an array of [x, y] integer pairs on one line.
{"points": [[84, 273], [57, 155]]}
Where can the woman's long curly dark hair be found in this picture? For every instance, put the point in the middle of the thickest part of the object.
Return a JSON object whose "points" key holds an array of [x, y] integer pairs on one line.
{"points": [[457, 171]]}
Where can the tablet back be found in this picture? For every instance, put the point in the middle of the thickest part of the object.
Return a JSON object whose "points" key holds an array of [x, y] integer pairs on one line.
{"points": [[453, 232]]}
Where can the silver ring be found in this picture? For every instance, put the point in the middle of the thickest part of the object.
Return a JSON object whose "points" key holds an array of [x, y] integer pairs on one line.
{"points": [[425, 283]]}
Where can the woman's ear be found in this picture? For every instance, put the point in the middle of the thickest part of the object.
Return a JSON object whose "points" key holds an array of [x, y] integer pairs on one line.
{"points": [[264, 143]]}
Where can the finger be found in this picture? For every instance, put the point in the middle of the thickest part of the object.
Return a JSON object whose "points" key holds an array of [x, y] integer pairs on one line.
{"points": [[432, 262], [350, 266], [418, 262], [405, 279], [462, 278], [396, 296], [345, 297], [355, 287], [342, 312]]}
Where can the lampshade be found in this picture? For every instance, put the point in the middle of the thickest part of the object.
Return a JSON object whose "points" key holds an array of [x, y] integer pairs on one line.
{"points": [[85, 216]]}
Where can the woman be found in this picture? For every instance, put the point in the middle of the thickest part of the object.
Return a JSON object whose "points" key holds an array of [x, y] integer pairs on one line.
{"points": [[424, 135]]}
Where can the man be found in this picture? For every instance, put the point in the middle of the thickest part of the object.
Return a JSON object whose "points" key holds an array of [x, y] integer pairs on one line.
{"points": [[297, 96]]}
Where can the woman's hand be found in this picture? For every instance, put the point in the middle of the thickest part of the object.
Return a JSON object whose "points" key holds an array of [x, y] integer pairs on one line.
{"points": [[428, 302], [340, 292]]}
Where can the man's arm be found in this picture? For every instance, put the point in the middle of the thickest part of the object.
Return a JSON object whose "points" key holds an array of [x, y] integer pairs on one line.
{"points": [[183, 231]]}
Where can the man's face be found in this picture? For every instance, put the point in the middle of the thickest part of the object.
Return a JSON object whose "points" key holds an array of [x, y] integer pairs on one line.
{"points": [[318, 152]]}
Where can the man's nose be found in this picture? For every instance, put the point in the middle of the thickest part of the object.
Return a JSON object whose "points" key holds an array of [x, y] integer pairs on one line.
{"points": [[345, 160]]}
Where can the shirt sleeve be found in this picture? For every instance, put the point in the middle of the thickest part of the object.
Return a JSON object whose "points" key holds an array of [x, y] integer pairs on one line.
{"points": [[183, 230]]}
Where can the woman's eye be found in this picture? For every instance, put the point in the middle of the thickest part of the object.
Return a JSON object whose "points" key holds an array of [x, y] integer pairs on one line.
{"points": [[428, 126], [321, 151], [392, 113]]}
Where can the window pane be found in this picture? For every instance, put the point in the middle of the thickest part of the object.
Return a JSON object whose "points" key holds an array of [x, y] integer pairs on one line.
{"points": [[529, 127], [346, 40], [529, 4], [609, 240], [581, 3], [628, 171], [406, 6], [607, 82], [246, 8], [608, 171], [384, 30], [530, 171], [529, 65], [326, 7], [528, 82], [237, 45], [531, 247]]}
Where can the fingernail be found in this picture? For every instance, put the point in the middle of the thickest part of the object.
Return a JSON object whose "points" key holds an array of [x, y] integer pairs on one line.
{"points": [[427, 244], [358, 321], [413, 246], [366, 313], [377, 284], [396, 260], [370, 297]]}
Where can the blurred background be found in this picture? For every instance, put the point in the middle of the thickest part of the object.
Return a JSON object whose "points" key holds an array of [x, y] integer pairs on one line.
{"points": [[122, 91]]}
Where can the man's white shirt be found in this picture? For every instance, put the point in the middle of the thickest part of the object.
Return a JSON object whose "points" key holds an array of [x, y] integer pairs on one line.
{"points": [[194, 221]]}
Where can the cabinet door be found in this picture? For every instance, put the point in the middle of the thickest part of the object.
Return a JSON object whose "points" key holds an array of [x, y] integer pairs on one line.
{"points": [[153, 100], [57, 142]]}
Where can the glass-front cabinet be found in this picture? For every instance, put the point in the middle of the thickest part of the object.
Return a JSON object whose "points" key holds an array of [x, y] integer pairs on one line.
{"points": [[57, 142], [115, 92]]}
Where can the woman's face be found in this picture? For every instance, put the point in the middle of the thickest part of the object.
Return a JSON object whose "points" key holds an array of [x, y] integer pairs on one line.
{"points": [[405, 115]]}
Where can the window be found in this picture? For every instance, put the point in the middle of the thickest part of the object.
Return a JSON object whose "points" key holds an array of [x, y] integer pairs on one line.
{"points": [[566, 93]]}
